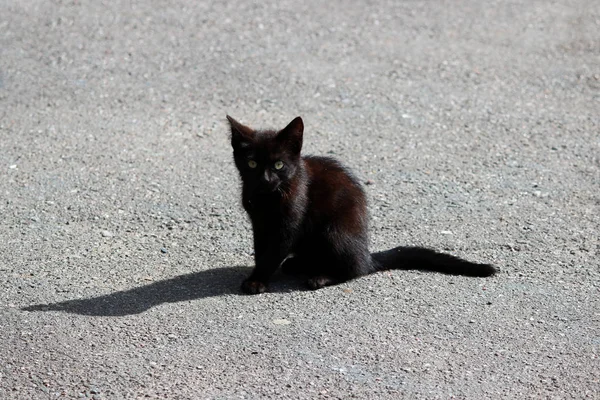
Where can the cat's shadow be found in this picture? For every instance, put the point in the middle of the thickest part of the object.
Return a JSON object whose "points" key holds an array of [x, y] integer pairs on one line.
{"points": [[194, 286]]}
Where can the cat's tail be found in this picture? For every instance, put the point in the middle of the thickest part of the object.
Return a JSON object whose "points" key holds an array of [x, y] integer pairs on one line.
{"points": [[429, 260]]}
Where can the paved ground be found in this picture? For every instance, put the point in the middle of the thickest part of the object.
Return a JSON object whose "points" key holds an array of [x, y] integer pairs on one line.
{"points": [[123, 242]]}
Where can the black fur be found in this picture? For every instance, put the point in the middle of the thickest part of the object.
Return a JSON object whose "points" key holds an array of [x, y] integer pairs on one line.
{"points": [[309, 214]]}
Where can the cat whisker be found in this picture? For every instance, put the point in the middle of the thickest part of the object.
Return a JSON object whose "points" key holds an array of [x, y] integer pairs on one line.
{"points": [[282, 192]]}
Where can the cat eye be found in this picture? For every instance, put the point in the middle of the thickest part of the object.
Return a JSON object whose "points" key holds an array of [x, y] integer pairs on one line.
{"points": [[278, 164], [252, 163]]}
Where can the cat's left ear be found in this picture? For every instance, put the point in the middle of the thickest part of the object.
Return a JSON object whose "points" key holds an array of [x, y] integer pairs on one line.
{"points": [[292, 134]]}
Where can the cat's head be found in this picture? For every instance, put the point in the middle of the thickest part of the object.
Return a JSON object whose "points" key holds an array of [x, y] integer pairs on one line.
{"points": [[267, 160]]}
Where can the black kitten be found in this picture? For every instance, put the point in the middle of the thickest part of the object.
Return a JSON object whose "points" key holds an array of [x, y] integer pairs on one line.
{"points": [[310, 214]]}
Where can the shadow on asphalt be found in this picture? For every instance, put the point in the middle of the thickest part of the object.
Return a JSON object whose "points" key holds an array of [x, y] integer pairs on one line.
{"points": [[198, 285]]}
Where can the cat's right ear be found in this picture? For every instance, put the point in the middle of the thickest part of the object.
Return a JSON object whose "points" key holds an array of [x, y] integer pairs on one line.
{"points": [[240, 134]]}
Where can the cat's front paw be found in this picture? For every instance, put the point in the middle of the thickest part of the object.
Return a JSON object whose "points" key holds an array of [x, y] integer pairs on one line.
{"points": [[319, 282], [253, 287]]}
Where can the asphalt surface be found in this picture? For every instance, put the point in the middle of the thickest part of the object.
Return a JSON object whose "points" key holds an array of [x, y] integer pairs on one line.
{"points": [[474, 125]]}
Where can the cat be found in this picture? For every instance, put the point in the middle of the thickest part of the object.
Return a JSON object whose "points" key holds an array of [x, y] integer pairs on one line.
{"points": [[309, 215]]}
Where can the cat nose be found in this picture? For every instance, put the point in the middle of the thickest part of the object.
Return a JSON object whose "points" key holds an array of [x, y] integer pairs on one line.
{"points": [[268, 181], [266, 176]]}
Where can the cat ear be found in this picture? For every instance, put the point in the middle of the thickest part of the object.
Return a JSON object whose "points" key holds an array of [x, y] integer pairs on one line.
{"points": [[239, 133], [292, 134]]}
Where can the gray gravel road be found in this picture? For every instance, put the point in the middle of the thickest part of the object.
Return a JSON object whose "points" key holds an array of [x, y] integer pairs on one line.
{"points": [[123, 241]]}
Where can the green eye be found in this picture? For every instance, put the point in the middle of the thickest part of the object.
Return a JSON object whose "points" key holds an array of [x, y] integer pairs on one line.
{"points": [[278, 164], [252, 163]]}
